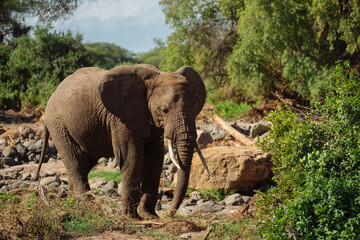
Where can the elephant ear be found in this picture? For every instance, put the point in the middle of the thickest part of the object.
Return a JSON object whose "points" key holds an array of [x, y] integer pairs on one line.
{"points": [[196, 84], [124, 94]]}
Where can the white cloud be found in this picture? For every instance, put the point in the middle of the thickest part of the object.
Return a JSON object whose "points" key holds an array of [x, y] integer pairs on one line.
{"points": [[106, 10]]}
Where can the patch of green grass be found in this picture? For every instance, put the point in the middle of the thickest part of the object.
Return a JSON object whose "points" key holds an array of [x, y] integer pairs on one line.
{"points": [[212, 194], [234, 229], [230, 109], [107, 175]]}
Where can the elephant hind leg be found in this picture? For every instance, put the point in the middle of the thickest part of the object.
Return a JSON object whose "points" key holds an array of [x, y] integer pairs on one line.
{"points": [[76, 162]]}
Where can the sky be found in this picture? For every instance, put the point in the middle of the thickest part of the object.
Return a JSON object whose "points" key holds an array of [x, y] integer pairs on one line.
{"points": [[130, 24]]}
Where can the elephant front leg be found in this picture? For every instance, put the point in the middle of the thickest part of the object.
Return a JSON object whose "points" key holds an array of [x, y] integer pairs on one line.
{"points": [[131, 163], [153, 162]]}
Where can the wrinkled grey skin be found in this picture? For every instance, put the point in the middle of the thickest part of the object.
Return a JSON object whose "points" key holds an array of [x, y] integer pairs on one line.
{"points": [[126, 112]]}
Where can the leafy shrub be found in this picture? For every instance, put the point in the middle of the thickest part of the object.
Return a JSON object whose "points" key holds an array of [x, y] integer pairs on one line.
{"points": [[230, 109], [37, 65], [317, 166]]}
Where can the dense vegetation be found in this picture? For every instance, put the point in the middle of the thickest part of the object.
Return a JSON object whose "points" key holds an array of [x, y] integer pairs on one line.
{"points": [[317, 166], [254, 50]]}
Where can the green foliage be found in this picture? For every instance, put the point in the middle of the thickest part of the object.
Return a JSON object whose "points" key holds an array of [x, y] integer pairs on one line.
{"points": [[263, 47], [230, 109], [317, 165], [13, 14], [155, 56], [108, 55], [37, 65], [108, 175]]}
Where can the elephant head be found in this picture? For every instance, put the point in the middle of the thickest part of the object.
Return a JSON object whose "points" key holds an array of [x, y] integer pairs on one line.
{"points": [[142, 96]]}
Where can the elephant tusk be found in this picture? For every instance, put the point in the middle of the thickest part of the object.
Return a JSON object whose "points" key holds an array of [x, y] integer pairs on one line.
{"points": [[202, 157], [171, 153]]}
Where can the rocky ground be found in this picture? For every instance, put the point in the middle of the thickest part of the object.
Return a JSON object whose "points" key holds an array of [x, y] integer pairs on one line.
{"points": [[20, 147]]}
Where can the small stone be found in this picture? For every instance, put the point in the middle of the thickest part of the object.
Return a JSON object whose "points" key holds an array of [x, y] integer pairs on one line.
{"points": [[21, 150], [103, 161], [49, 180], [8, 161], [246, 199], [32, 157], [24, 185], [234, 200], [110, 187], [259, 129], [196, 195], [164, 198], [113, 164], [218, 136], [9, 152], [210, 207], [16, 185], [4, 189], [26, 176], [28, 143], [52, 160], [96, 182]]}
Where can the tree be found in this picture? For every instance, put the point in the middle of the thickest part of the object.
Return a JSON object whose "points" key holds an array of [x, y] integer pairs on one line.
{"points": [[108, 55], [37, 65], [205, 33], [14, 12], [155, 56]]}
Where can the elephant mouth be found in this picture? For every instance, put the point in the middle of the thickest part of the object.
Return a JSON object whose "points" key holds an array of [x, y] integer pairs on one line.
{"points": [[172, 156]]}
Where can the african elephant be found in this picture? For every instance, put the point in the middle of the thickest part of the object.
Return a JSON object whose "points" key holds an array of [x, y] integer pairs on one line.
{"points": [[126, 112]]}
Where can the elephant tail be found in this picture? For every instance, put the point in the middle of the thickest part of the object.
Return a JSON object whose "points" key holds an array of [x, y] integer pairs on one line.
{"points": [[46, 135]]}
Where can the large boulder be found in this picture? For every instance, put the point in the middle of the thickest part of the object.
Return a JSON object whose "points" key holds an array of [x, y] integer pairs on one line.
{"points": [[232, 168]]}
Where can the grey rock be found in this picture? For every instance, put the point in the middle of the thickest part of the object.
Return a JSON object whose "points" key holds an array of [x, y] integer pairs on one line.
{"points": [[28, 143], [259, 129], [218, 136], [246, 199], [164, 198], [32, 157], [210, 207], [8, 161], [2, 142], [4, 189], [96, 182], [21, 150], [49, 180], [234, 200], [24, 185], [110, 187], [37, 158], [195, 195], [186, 210], [103, 161], [9, 151], [16, 185], [26, 176], [189, 202]]}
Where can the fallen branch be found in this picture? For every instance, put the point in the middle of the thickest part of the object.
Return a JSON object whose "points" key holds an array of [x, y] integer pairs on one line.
{"points": [[233, 132]]}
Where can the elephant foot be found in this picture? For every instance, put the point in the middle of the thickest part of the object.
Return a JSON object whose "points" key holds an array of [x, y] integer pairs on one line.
{"points": [[146, 209]]}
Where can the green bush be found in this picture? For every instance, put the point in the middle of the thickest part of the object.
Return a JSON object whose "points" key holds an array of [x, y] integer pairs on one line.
{"points": [[230, 109], [317, 166], [37, 65]]}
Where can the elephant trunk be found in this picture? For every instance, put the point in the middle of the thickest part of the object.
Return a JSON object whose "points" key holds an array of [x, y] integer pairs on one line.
{"points": [[184, 137]]}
